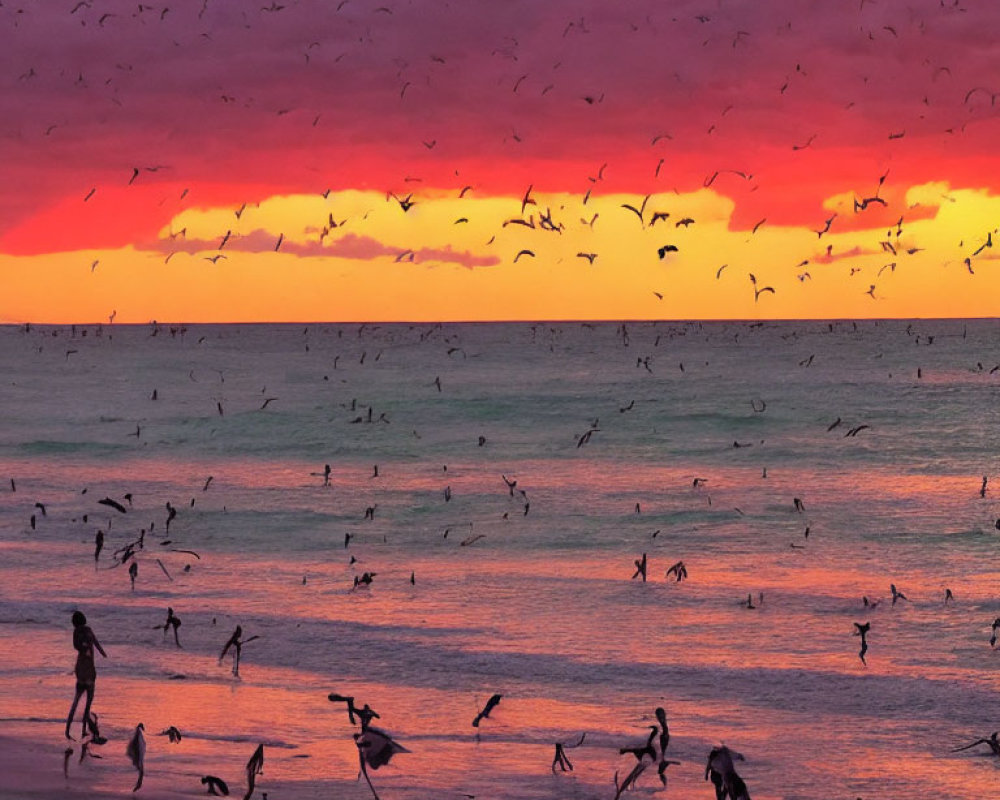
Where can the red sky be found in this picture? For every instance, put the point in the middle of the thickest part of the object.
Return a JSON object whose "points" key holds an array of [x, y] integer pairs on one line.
{"points": [[218, 103]]}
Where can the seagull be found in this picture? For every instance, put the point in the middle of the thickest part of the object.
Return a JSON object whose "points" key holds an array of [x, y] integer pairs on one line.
{"points": [[993, 636], [678, 570], [136, 751], [723, 773], [107, 501], [863, 204], [490, 705], [215, 783], [171, 733], [527, 199], [644, 750], [405, 203], [375, 748], [638, 211], [993, 743]]}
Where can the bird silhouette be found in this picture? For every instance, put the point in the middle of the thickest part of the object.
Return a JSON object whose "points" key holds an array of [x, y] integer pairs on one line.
{"points": [[136, 752], [490, 705], [862, 631]]}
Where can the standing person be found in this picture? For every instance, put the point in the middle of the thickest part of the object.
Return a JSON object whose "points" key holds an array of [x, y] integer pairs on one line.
{"points": [[84, 641]]}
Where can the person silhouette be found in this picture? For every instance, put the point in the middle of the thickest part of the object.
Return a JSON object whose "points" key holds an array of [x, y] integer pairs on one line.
{"points": [[85, 642]]}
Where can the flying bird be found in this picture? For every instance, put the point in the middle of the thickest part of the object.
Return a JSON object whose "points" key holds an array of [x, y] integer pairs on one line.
{"points": [[758, 292], [638, 211], [490, 705], [172, 734], [107, 501], [992, 742]]}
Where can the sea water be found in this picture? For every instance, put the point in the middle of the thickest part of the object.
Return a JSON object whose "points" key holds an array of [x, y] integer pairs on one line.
{"points": [[481, 587]]}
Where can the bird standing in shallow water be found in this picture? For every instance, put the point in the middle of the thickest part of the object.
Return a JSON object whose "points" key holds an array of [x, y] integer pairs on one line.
{"points": [[136, 751], [255, 767]]}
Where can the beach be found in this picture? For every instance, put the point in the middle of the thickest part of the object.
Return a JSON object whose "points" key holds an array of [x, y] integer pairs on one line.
{"points": [[480, 586]]}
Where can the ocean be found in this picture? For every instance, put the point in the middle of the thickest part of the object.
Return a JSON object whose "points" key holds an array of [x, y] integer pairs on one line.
{"points": [[686, 442]]}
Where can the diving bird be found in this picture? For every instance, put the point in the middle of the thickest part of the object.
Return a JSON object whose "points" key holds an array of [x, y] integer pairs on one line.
{"points": [[862, 631], [136, 751], [490, 705]]}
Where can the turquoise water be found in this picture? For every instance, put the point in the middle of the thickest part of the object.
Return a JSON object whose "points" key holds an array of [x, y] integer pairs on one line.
{"points": [[538, 605]]}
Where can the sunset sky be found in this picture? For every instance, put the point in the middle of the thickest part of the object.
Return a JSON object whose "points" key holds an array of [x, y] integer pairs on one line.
{"points": [[806, 160]]}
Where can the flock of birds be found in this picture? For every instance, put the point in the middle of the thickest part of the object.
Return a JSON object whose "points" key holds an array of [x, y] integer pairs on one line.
{"points": [[377, 746], [357, 29]]}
